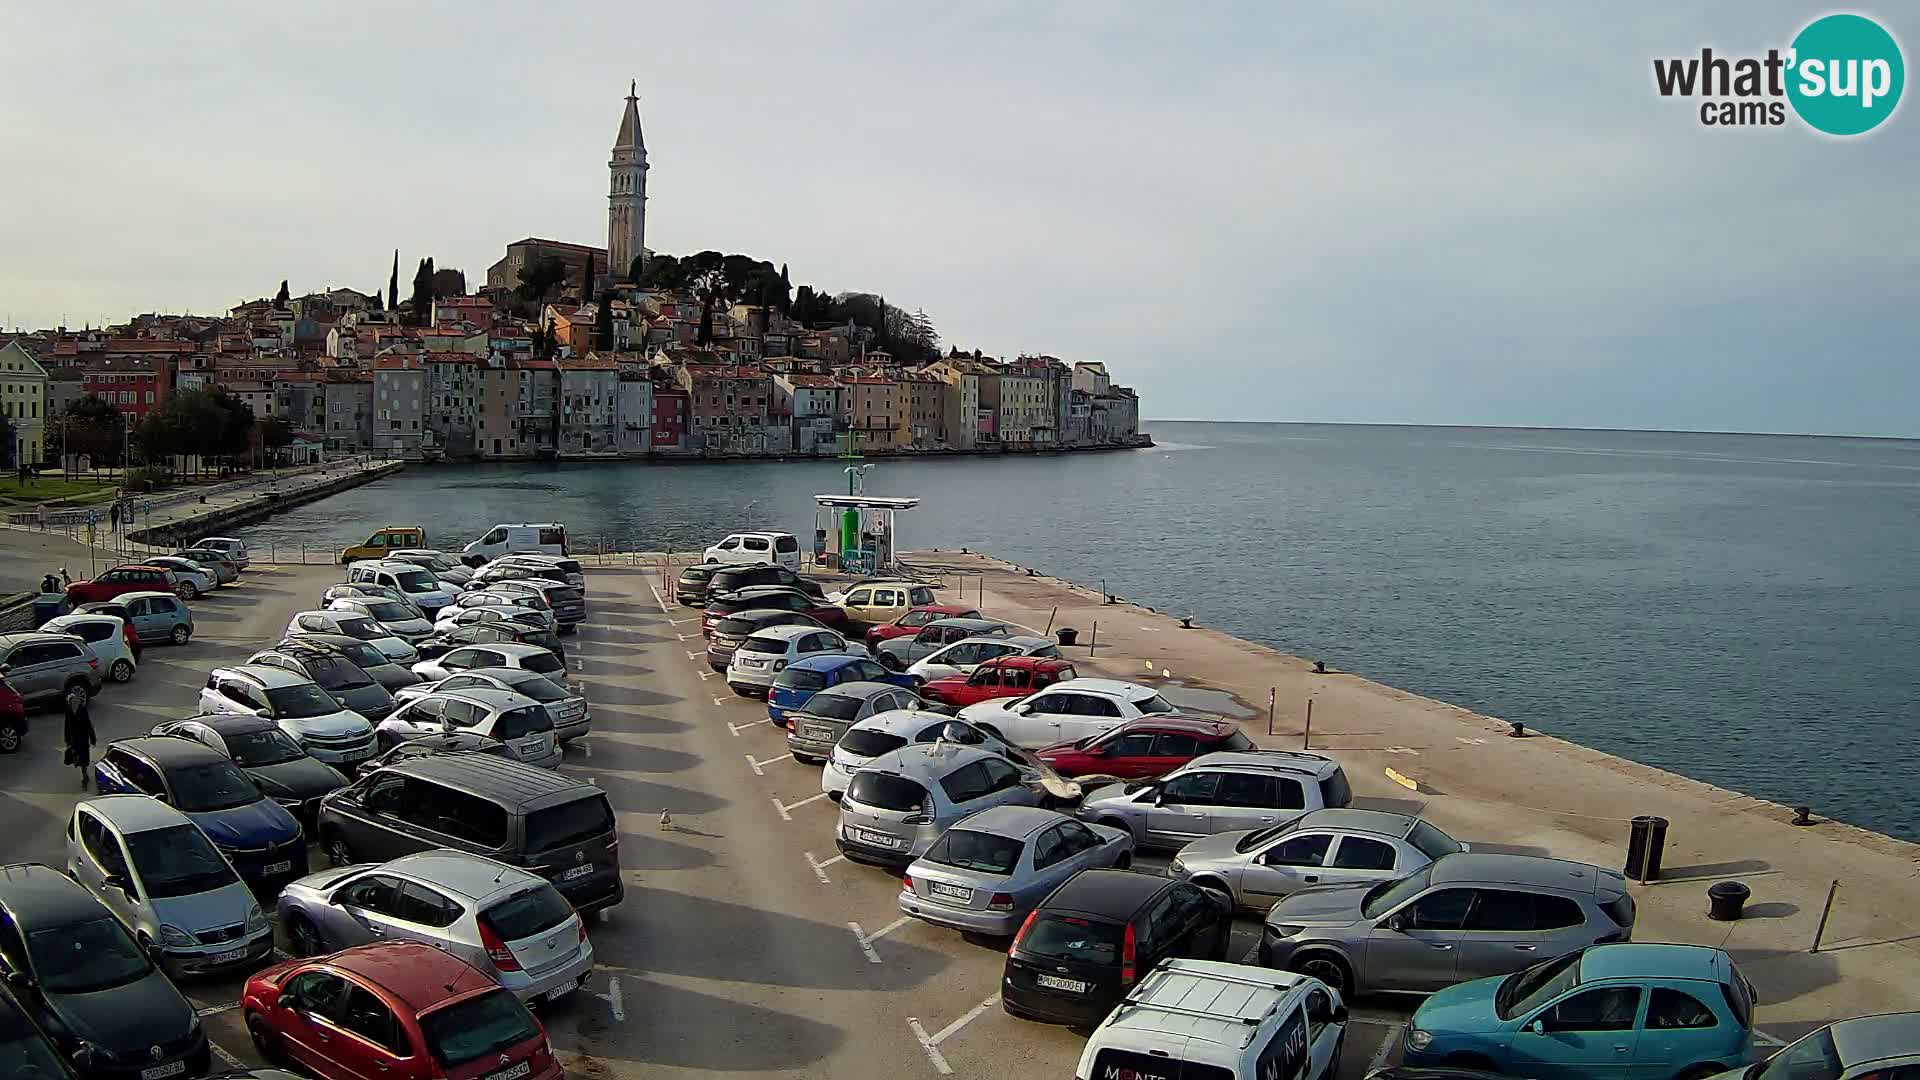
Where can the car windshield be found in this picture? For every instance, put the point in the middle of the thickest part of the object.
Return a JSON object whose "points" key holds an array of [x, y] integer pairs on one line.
{"points": [[543, 662], [1062, 937], [886, 791], [870, 742], [334, 674], [178, 860], [362, 654], [268, 747], [1812, 1058], [389, 610], [569, 823], [523, 721], [1526, 990], [539, 688], [1260, 837], [833, 706], [1431, 841], [471, 1029], [800, 679], [300, 700], [213, 785], [1390, 894], [417, 581], [529, 912], [361, 627], [83, 957], [969, 850]]}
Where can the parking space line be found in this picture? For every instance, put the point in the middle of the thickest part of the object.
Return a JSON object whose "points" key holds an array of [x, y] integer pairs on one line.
{"points": [[1765, 1039], [786, 810], [720, 701], [738, 728], [225, 1055], [682, 637], [756, 766], [866, 943], [931, 1043], [820, 868], [889, 928], [216, 1010], [662, 603], [705, 675], [614, 1000], [694, 655], [1386, 1047]]}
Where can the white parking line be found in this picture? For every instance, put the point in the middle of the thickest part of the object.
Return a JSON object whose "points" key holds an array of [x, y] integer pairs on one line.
{"points": [[578, 664], [757, 766], [866, 944], [786, 809], [720, 701], [216, 1010], [225, 1055], [602, 914], [738, 728], [931, 1043], [587, 749], [889, 928], [663, 604], [614, 1000], [695, 655], [820, 868], [705, 675], [682, 637], [1386, 1047]]}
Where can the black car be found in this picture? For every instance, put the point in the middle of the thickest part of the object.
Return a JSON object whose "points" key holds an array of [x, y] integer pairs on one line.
{"points": [[439, 742], [25, 1050], [349, 684], [269, 755], [732, 578], [488, 633], [364, 656], [79, 975], [691, 588], [1084, 947]]}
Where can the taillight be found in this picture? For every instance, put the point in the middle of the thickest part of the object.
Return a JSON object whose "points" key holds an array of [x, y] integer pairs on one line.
{"points": [[1001, 902], [1129, 955], [502, 957], [613, 847], [906, 882], [582, 924], [1022, 935], [93, 662]]}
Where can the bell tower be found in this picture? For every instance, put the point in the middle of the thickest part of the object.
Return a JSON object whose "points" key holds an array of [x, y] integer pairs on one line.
{"points": [[627, 192]]}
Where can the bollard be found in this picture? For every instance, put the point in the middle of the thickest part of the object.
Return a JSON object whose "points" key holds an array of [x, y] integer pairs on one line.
{"points": [[1306, 736], [1050, 616], [1726, 899], [1826, 910], [1093, 640], [1644, 847]]}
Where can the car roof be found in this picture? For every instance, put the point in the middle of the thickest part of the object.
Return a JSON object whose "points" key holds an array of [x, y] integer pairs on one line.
{"points": [[825, 662], [1162, 722], [78, 617], [266, 675], [420, 975], [1025, 641], [1030, 663], [472, 876], [785, 631], [143, 594], [1107, 687], [928, 761], [508, 675], [1290, 761], [135, 813], [224, 724], [1219, 1006], [39, 895], [900, 721], [1520, 870], [861, 690], [956, 611], [1644, 960], [1018, 822], [968, 623], [483, 774], [770, 612], [1870, 1038], [513, 648], [1114, 894], [27, 637], [491, 698], [1347, 819], [753, 591], [384, 564], [166, 750]]}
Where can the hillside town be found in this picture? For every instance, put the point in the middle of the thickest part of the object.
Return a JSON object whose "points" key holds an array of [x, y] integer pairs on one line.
{"points": [[573, 351]]}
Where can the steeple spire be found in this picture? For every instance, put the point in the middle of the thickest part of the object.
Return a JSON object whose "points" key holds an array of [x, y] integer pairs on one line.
{"points": [[630, 134]]}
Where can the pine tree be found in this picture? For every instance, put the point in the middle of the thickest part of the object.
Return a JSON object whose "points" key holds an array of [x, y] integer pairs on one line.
{"points": [[603, 322], [280, 298], [786, 291], [393, 284]]}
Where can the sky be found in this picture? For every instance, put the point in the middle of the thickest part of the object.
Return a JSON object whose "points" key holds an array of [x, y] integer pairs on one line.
{"points": [[1462, 214]]}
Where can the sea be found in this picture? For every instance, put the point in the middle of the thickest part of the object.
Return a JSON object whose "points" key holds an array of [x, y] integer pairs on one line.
{"points": [[1742, 609]]}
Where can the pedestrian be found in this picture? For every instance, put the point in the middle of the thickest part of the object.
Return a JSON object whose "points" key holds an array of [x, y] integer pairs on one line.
{"points": [[113, 515], [80, 733]]}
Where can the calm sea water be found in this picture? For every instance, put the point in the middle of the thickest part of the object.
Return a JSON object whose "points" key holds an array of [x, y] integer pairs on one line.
{"points": [[1744, 609]]}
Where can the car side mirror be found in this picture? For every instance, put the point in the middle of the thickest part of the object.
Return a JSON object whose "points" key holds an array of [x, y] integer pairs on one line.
{"points": [[1538, 1027], [1339, 1014], [263, 712], [19, 978], [291, 1000], [1397, 924]]}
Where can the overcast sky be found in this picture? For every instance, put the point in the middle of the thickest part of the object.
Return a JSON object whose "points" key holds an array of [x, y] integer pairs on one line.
{"points": [[1476, 214]]}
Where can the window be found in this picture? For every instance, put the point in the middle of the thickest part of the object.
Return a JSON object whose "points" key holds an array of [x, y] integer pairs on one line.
{"points": [[1049, 849], [1245, 789], [419, 904], [1308, 850], [1812, 1058], [368, 1017], [319, 993], [1360, 853], [1092, 705], [967, 783], [1193, 789], [1443, 910], [375, 892], [1175, 746], [1670, 1010], [1607, 1008], [463, 713], [856, 598], [1556, 913], [1000, 775], [385, 795], [1137, 744], [456, 813]]}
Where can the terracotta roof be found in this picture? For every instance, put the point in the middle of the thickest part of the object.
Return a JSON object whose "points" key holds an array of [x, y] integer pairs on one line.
{"points": [[528, 363], [807, 379], [396, 363]]}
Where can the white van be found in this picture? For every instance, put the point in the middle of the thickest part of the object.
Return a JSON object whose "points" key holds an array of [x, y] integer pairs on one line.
{"points": [[418, 585], [747, 548], [1204, 1020], [544, 539]]}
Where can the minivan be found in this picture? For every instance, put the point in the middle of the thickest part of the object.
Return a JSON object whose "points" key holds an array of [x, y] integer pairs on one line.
{"points": [[757, 547], [384, 542], [549, 538], [556, 825], [428, 593]]}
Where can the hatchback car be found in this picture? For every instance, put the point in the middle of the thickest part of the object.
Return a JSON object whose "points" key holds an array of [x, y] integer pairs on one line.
{"points": [[762, 657], [1144, 748], [277, 763], [1079, 952], [261, 838], [900, 803], [801, 679], [49, 669], [190, 579], [445, 742], [154, 869], [375, 663], [962, 657], [403, 621], [232, 547], [1609, 1012], [1340, 846], [503, 598], [1885, 1046], [730, 578], [442, 642], [346, 590], [509, 654], [343, 680], [690, 588], [159, 616], [1002, 677], [316, 719], [506, 922], [353, 625], [119, 580], [451, 617], [769, 597], [909, 623], [885, 732], [1204, 1020], [900, 653], [567, 602], [571, 570], [1069, 711], [110, 638], [814, 729], [521, 722], [1221, 792], [567, 706], [225, 570], [1464, 916], [399, 1010], [987, 872], [81, 977], [877, 603], [729, 632]]}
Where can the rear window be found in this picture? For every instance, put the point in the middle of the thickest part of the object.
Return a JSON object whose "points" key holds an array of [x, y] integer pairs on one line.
{"points": [[869, 743], [1153, 704], [1236, 741], [800, 679], [335, 674], [984, 852], [523, 721], [470, 1030], [539, 688], [1335, 791], [569, 823], [735, 627], [1432, 842], [1620, 909], [886, 791], [527, 913], [360, 627], [564, 595], [764, 645], [1739, 996], [694, 575], [548, 664], [1063, 937], [833, 706], [786, 543]]}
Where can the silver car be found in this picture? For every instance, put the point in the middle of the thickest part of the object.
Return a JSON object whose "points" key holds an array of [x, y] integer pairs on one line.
{"points": [[521, 722], [568, 707], [50, 668], [987, 873], [507, 922], [883, 732], [1884, 1046], [902, 801], [1225, 791], [1326, 847], [1464, 916], [404, 621]]}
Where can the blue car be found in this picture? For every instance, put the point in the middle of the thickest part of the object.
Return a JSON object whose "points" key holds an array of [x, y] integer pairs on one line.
{"points": [[1609, 1012], [260, 837], [805, 678]]}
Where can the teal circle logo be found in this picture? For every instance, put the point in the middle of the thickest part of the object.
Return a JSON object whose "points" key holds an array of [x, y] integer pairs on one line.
{"points": [[1846, 74]]}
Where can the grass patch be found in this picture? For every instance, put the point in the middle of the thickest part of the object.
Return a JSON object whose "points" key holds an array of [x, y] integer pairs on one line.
{"points": [[53, 491]]}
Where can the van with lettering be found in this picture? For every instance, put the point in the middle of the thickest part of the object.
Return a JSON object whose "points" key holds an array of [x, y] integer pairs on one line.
{"points": [[548, 538], [1205, 1020]]}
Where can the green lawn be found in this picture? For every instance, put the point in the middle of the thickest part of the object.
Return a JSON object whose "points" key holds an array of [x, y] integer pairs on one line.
{"points": [[53, 489]]}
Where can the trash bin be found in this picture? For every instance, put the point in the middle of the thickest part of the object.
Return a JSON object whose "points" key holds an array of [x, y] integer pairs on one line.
{"points": [[48, 606], [1726, 899], [1644, 847], [1067, 635]]}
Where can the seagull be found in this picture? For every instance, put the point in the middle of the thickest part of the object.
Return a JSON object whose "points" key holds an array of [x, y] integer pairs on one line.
{"points": [[666, 820]]}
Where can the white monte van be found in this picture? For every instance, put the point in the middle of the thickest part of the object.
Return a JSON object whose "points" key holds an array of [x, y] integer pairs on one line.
{"points": [[747, 548], [1204, 1020], [549, 538]]}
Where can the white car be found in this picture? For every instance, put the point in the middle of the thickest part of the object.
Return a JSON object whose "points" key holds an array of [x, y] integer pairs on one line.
{"points": [[190, 579], [323, 727], [503, 597], [522, 723], [884, 732], [160, 875], [105, 634], [403, 621], [233, 548], [961, 657], [513, 613], [353, 625], [1068, 711], [419, 586], [764, 655], [747, 548], [510, 654]]}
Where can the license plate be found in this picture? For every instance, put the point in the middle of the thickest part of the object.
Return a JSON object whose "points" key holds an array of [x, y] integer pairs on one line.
{"points": [[814, 732], [227, 957], [876, 839], [171, 1068], [562, 990], [577, 873], [1055, 982], [512, 1072], [955, 892], [280, 867]]}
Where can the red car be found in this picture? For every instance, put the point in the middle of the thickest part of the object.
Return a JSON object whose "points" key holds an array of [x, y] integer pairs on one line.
{"points": [[121, 579], [770, 597], [909, 624], [13, 718], [397, 1010], [1001, 677], [1149, 746]]}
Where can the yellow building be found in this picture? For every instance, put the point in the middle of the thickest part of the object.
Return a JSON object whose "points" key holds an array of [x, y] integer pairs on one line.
{"points": [[23, 400]]}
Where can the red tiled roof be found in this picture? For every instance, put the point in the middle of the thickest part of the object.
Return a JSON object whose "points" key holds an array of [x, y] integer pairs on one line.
{"points": [[806, 379]]}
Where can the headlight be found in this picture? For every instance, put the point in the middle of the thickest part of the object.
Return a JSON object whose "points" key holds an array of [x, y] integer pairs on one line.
{"points": [[1282, 930], [196, 1026], [1176, 868], [256, 920], [1418, 1039], [178, 938]]}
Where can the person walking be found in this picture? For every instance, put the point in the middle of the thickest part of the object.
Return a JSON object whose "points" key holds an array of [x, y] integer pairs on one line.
{"points": [[80, 733]]}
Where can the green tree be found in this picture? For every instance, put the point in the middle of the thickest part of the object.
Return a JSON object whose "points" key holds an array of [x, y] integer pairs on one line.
{"points": [[538, 278], [786, 291], [7, 438], [275, 434], [422, 300], [449, 282], [92, 427], [393, 283], [603, 323], [280, 298], [586, 277]]}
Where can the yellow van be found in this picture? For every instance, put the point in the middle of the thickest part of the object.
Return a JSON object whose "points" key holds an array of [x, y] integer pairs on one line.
{"points": [[391, 538]]}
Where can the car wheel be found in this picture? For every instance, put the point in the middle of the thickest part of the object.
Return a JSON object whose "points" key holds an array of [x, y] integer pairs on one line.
{"points": [[188, 590], [890, 661], [1470, 1061], [339, 853], [265, 1040], [10, 737], [1124, 862], [76, 696], [180, 634], [304, 937], [1328, 968], [121, 671]]}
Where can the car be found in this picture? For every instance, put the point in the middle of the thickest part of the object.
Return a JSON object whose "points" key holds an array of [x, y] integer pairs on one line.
{"points": [[1464, 916], [109, 637], [403, 621], [567, 706], [25, 1051], [909, 623], [802, 679], [451, 617], [489, 633], [225, 570], [1007, 676], [567, 602], [438, 563], [507, 923], [760, 597], [157, 872], [876, 604], [561, 827], [275, 761], [116, 580], [1333, 846], [13, 718], [1144, 748], [987, 872], [232, 547], [521, 722], [344, 680], [728, 579], [78, 974], [190, 579], [900, 802], [690, 587], [394, 677], [159, 616], [900, 653], [347, 590], [729, 632], [1878, 1047], [1069, 711], [886, 731], [813, 729], [546, 538], [1226, 791], [756, 547], [575, 573], [961, 657], [499, 598], [1079, 953], [445, 742], [400, 1010], [523, 567], [353, 625], [418, 585], [1203, 1019], [511, 654], [260, 837], [383, 542], [766, 654], [1627, 1011], [318, 721], [49, 669]]}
